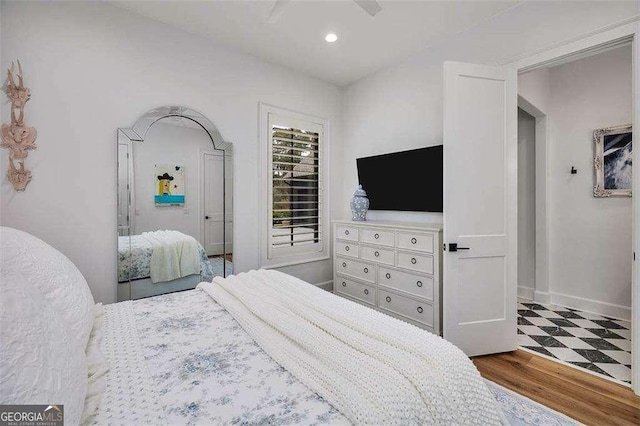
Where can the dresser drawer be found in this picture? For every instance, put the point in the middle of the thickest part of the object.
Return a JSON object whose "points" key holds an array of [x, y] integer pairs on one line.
{"points": [[347, 249], [415, 262], [377, 254], [356, 290], [414, 284], [346, 232], [376, 236], [419, 242], [407, 307], [364, 271]]}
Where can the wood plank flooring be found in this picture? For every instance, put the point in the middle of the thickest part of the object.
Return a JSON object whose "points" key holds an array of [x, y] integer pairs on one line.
{"points": [[229, 257], [585, 397]]}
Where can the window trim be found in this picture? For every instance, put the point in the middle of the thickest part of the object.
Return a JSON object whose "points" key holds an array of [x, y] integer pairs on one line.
{"points": [[264, 158]]}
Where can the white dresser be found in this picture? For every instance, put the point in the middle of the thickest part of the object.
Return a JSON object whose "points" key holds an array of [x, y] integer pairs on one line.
{"points": [[393, 267]]}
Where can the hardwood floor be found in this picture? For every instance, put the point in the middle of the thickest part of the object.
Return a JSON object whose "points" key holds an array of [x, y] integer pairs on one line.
{"points": [[229, 257], [587, 398]]}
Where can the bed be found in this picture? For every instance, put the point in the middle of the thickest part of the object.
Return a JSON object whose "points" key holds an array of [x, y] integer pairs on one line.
{"points": [[256, 348], [140, 266]]}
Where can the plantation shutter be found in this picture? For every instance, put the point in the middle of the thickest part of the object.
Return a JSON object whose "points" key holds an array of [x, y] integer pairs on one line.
{"points": [[296, 187]]}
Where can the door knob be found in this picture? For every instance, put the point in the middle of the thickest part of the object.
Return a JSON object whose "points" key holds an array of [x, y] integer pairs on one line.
{"points": [[206, 217], [453, 247]]}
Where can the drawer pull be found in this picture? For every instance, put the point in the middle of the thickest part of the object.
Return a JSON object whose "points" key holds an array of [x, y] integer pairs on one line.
{"points": [[419, 283], [388, 299], [366, 270], [346, 248], [376, 236], [366, 291], [344, 264], [344, 284], [346, 232], [413, 241], [377, 254], [388, 276], [420, 309], [413, 260]]}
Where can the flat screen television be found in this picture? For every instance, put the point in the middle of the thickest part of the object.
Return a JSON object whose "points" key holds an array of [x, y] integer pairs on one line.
{"points": [[403, 181]]}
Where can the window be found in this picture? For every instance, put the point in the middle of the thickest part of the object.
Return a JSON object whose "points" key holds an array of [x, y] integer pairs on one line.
{"points": [[295, 198]]}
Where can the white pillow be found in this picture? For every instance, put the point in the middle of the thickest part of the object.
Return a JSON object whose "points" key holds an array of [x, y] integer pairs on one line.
{"points": [[40, 361], [59, 281]]}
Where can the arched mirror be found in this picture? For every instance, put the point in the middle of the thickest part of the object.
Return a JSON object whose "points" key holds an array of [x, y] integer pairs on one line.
{"points": [[175, 203]]}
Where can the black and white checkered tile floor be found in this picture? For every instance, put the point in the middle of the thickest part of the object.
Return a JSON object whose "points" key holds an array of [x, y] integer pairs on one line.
{"points": [[586, 340]]}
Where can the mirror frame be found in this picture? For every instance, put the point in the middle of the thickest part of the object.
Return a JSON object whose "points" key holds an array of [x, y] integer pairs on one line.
{"points": [[138, 132]]}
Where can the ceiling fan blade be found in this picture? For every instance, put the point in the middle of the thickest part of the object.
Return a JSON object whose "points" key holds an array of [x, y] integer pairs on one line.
{"points": [[370, 6], [276, 11]]}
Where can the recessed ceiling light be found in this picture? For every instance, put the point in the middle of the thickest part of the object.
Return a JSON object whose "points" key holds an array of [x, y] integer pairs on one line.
{"points": [[331, 37]]}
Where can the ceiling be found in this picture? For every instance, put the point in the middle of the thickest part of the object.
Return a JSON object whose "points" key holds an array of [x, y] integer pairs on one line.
{"points": [[296, 40]]}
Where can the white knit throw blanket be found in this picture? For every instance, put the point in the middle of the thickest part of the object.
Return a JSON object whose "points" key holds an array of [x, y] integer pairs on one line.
{"points": [[373, 368], [175, 255]]}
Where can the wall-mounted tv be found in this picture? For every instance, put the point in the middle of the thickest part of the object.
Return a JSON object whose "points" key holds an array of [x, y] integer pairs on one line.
{"points": [[403, 181]]}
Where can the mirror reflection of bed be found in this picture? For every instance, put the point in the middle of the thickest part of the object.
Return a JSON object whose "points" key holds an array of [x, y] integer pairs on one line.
{"points": [[174, 204]]}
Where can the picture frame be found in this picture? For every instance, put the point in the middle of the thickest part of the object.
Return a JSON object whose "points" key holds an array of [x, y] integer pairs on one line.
{"points": [[169, 185], [612, 161]]}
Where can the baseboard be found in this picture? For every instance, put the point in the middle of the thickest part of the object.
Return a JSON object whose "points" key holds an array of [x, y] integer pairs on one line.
{"points": [[327, 285], [542, 297], [525, 293], [594, 306]]}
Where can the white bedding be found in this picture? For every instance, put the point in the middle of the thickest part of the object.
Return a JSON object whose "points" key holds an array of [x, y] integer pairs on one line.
{"points": [[182, 359], [46, 317], [130, 396], [136, 255], [371, 367]]}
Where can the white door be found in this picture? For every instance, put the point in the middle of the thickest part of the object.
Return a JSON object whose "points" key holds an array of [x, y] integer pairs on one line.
{"points": [[213, 186], [480, 208]]}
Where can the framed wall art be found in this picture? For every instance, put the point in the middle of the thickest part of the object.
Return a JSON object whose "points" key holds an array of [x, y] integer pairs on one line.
{"points": [[169, 181], [613, 161]]}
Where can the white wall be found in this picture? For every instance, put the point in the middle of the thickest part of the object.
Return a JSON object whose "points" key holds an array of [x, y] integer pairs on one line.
{"points": [[526, 204], [93, 67], [167, 143], [400, 108], [534, 87], [590, 238]]}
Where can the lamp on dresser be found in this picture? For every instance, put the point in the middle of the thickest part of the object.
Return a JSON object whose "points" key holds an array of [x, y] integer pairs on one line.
{"points": [[392, 267]]}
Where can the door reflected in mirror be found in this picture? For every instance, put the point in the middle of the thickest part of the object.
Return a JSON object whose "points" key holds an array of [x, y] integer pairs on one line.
{"points": [[175, 208]]}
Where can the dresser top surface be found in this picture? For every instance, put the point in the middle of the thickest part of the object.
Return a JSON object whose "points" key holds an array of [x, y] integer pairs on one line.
{"points": [[435, 227]]}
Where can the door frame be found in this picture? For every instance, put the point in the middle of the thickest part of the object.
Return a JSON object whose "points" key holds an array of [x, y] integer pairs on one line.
{"points": [[541, 290], [613, 36]]}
